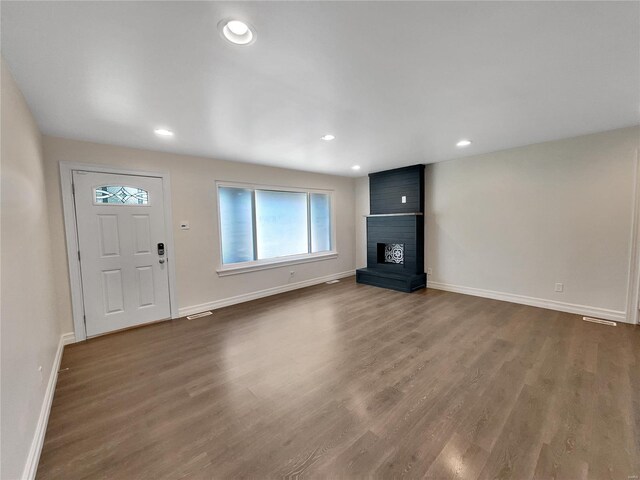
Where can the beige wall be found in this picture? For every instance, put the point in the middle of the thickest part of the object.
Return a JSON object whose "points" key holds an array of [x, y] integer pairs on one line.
{"points": [[194, 198], [29, 328], [362, 209], [519, 221]]}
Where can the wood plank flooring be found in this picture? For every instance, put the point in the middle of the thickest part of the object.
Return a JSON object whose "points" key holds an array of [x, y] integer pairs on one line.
{"points": [[352, 381]]}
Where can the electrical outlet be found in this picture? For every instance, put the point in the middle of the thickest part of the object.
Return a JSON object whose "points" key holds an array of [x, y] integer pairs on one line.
{"points": [[560, 287], [429, 271], [292, 273], [404, 199]]}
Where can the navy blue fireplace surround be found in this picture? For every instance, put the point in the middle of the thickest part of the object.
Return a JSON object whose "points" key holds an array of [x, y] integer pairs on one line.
{"points": [[395, 230]]}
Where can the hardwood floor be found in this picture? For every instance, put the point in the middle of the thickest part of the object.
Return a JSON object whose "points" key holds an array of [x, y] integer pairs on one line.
{"points": [[352, 381]]}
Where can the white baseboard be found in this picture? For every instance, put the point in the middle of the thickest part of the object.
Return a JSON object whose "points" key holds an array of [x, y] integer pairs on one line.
{"points": [[68, 338], [585, 310], [31, 467], [225, 302]]}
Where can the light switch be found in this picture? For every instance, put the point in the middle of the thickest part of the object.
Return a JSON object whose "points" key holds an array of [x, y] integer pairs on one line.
{"points": [[404, 199], [184, 225]]}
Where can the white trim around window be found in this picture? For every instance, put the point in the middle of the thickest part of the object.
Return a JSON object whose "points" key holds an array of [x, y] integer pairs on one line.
{"points": [[256, 265], [244, 267]]}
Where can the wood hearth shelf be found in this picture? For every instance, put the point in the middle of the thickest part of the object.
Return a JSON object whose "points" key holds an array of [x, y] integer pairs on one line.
{"points": [[395, 214]]}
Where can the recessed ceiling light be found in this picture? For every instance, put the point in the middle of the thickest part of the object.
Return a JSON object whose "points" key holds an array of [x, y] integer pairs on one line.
{"points": [[163, 132], [463, 143], [328, 137], [237, 32], [355, 167], [237, 27]]}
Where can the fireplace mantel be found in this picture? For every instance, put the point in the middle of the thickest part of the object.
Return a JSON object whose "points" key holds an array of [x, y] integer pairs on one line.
{"points": [[412, 214]]}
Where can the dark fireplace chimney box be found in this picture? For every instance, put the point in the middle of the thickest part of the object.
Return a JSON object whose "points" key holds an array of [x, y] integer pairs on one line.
{"points": [[395, 230]]}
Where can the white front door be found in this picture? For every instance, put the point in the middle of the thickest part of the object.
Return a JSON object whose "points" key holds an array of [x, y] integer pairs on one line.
{"points": [[121, 223]]}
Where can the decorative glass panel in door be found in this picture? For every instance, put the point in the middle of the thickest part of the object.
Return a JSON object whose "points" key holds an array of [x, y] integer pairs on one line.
{"points": [[121, 195]]}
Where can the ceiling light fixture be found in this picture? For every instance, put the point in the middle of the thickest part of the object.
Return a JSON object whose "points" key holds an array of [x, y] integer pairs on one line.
{"points": [[328, 137], [237, 32], [163, 132], [463, 143], [237, 27], [355, 167]]}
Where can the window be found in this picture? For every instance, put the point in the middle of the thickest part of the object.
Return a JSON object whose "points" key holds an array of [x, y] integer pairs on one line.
{"points": [[262, 224], [119, 195], [236, 224], [281, 224], [320, 208]]}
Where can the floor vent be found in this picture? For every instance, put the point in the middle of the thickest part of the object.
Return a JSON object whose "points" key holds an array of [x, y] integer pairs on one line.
{"points": [[331, 282], [597, 320], [199, 315]]}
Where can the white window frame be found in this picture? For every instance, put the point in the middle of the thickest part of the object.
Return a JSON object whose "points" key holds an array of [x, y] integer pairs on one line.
{"points": [[244, 267]]}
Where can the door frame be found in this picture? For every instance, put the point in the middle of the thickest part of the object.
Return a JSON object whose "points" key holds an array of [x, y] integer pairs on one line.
{"points": [[71, 235], [633, 293]]}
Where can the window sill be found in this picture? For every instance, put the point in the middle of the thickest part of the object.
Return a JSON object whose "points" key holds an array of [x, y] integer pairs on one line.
{"points": [[267, 264]]}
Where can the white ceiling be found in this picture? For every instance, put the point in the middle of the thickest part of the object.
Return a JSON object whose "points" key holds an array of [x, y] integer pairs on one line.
{"points": [[396, 83]]}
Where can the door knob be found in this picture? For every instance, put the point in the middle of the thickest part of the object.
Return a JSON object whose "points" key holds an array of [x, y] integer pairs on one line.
{"points": [[161, 260]]}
